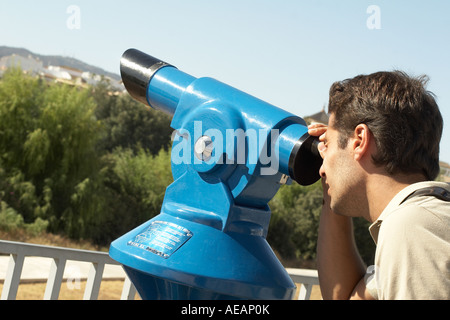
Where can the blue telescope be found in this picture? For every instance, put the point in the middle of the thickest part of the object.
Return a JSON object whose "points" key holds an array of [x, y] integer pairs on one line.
{"points": [[231, 152]]}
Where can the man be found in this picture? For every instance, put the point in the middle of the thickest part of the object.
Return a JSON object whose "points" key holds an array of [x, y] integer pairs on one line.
{"points": [[380, 146]]}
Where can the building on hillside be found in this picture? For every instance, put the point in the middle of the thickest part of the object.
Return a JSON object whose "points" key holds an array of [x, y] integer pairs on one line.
{"points": [[27, 64], [54, 72], [60, 74]]}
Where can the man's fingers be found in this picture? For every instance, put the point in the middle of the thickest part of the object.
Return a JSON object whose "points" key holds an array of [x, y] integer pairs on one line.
{"points": [[317, 129]]}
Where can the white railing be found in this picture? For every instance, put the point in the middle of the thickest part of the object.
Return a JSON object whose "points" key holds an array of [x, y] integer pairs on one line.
{"points": [[307, 278], [60, 258]]}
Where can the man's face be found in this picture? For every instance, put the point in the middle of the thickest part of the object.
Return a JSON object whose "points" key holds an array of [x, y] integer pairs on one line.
{"points": [[338, 173]]}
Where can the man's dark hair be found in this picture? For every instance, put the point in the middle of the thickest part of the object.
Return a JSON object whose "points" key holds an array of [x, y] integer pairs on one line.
{"points": [[401, 114]]}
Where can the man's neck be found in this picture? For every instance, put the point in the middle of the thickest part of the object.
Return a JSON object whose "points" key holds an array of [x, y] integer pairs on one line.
{"points": [[382, 188]]}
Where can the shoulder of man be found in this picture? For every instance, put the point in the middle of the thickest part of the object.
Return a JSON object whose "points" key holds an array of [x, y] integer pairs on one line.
{"points": [[412, 249]]}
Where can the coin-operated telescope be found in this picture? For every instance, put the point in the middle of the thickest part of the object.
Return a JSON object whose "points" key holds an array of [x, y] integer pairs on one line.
{"points": [[230, 154]]}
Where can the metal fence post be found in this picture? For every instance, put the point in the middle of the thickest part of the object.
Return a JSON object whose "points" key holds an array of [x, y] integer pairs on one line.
{"points": [[12, 278]]}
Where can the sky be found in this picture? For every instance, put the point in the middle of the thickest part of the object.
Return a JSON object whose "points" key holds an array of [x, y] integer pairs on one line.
{"points": [[285, 52]]}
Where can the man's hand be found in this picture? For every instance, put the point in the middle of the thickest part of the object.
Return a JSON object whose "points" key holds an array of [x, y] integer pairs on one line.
{"points": [[318, 130]]}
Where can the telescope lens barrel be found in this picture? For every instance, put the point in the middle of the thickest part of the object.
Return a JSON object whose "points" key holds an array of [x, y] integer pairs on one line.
{"points": [[137, 69]]}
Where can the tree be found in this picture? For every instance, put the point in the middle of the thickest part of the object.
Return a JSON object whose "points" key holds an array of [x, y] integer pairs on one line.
{"points": [[295, 220], [19, 110], [62, 166], [130, 124], [129, 191], [48, 135]]}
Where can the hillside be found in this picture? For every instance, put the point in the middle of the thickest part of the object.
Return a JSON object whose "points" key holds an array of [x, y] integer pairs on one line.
{"points": [[57, 61]]}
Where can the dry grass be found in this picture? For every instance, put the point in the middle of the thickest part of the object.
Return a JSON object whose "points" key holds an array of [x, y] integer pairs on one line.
{"points": [[48, 239], [109, 290]]}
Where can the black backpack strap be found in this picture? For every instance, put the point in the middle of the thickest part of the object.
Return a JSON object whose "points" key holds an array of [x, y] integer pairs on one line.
{"points": [[437, 192]]}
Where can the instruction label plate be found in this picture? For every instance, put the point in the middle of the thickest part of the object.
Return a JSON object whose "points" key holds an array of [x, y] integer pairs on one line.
{"points": [[162, 238]]}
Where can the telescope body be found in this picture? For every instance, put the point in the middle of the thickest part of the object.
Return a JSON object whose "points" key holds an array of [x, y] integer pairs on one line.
{"points": [[231, 153]]}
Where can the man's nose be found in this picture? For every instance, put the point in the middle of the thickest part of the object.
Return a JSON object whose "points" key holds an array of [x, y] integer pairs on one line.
{"points": [[322, 171]]}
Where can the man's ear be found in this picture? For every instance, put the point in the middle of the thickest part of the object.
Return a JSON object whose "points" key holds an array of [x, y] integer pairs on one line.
{"points": [[361, 141]]}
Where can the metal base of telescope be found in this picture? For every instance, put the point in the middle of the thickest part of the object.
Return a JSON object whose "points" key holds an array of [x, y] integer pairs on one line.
{"points": [[177, 259]]}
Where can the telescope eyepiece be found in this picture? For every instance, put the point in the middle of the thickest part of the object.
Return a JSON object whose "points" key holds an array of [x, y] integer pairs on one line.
{"points": [[305, 161], [136, 70]]}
